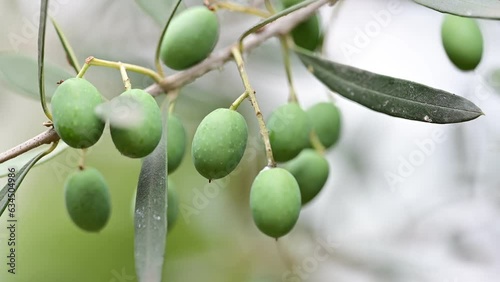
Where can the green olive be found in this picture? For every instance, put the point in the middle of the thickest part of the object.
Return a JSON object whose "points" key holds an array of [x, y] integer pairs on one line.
{"points": [[87, 199], [219, 143], [308, 33], [73, 111], [275, 201], [310, 169], [326, 122], [190, 38], [462, 41], [289, 128], [176, 142], [140, 138]]}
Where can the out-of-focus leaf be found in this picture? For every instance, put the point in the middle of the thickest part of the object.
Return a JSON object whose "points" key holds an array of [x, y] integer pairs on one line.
{"points": [[8, 191], [159, 9], [493, 80], [389, 95], [151, 213], [70, 54], [488, 9], [24, 158], [19, 73], [41, 55]]}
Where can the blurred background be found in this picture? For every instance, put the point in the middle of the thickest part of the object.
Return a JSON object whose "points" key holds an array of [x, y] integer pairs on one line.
{"points": [[393, 209]]}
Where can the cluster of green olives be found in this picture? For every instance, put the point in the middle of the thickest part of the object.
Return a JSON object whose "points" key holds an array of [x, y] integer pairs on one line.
{"points": [[218, 144], [277, 194], [77, 123], [463, 42]]}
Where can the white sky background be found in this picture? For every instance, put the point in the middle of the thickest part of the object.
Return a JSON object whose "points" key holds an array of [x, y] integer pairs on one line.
{"points": [[441, 223]]}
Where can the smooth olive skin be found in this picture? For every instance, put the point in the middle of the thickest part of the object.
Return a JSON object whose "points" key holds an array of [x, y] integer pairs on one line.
{"points": [[176, 142], [289, 128], [275, 201], [311, 170], [139, 140], [73, 110], [326, 122], [190, 38], [87, 199], [463, 42], [219, 143], [308, 33]]}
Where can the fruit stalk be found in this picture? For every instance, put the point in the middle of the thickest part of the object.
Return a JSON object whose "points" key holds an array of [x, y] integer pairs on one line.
{"points": [[250, 93], [125, 78], [241, 8], [92, 61], [285, 47]]}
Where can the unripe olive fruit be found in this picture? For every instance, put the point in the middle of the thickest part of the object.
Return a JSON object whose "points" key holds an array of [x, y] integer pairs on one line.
{"points": [[326, 122], [176, 142], [219, 143], [190, 38], [310, 169], [73, 111], [462, 41], [275, 201], [308, 33], [289, 129], [140, 138], [87, 199]]}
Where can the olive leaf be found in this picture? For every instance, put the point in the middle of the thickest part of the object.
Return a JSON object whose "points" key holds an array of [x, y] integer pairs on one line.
{"points": [[151, 212], [24, 158], [19, 73], [8, 191], [389, 95], [487, 9], [157, 9], [70, 54], [41, 54]]}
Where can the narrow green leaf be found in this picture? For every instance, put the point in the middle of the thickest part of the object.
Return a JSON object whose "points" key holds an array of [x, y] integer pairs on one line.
{"points": [[157, 9], [8, 191], [389, 95], [487, 9], [41, 54], [158, 46], [70, 54], [151, 213], [24, 158], [19, 73]]}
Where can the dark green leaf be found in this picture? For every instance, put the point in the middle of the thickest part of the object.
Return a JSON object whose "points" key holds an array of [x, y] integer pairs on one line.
{"points": [[488, 9], [389, 95], [158, 9], [41, 54], [26, 157], [8, 191], [19, 73], [70, 54], [151, 214]]}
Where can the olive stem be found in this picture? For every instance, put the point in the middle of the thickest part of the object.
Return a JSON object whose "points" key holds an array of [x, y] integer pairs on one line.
{"points": [[253, 100], [234, 106], [316, 143], [159, 69], [85, 67], [240, 8], [81, 163], [173, 98], [285, 47], [125, 78], [92, 61]]}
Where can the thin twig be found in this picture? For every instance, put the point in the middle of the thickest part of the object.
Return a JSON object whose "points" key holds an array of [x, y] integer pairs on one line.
{"points": [[277, 28]]}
